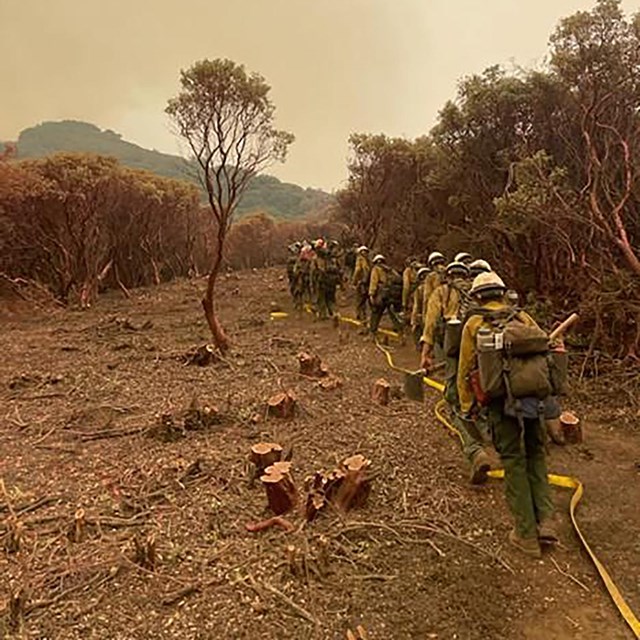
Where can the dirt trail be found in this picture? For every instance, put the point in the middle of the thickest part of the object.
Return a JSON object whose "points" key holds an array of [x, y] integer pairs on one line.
{"points": [[426, 558]]}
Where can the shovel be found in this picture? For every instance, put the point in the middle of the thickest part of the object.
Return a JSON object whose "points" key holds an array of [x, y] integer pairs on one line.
{"points": [[414, 385]]}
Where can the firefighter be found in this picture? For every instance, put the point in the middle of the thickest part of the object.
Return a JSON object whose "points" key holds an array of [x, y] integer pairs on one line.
{"points": [[385, 294], [360, 280], [518, 438], [449, 303]]}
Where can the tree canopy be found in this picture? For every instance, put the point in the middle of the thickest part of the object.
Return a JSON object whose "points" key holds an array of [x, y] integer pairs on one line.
{"points": [[536, 170]]}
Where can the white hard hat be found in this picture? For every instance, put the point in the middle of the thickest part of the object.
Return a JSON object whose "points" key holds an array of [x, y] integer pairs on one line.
{"points": [[479, 266], [362, 249], [435, 256], [422, 272], [457, 267], [488, 281], [379, 258], [463, 256]]}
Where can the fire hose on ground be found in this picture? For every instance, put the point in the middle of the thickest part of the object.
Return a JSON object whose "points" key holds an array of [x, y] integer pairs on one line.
{"points": [[565, 482]]}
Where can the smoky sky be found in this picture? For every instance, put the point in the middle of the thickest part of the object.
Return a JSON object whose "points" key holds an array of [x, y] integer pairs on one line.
{"points": [[335, 66]]}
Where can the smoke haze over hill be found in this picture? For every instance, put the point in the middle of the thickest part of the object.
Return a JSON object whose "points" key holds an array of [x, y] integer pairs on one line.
{"points": [[335, 66]]}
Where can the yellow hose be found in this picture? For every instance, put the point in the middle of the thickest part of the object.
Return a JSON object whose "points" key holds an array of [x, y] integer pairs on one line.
{"points": [[566, 482]]}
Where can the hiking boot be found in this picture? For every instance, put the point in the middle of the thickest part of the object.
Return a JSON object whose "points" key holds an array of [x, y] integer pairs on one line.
{"points": [[547, 533], [554, 431], [528, 546], [480, 466]]}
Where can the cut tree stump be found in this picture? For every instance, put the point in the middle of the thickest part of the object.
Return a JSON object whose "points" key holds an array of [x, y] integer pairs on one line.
{"points": [[571, 427], [198, 417], [145, 552], [281, 491], [203, 356], [381, 392], [77, 528], [282, 405], [315, 503], [345, 488], [311, 366], [263, 455], [356, 483]]}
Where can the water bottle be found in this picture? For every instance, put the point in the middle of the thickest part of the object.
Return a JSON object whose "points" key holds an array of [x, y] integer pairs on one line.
{"points": [[512, 298], [485, 340]]}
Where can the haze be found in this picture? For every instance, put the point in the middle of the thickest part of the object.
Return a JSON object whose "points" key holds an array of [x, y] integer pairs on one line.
{"points": [[336, 66]]}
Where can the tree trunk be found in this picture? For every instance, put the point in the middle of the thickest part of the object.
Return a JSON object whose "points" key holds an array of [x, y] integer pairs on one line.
{"points": [[217, 332], [219, 336], [156, 271], [627, 251]]}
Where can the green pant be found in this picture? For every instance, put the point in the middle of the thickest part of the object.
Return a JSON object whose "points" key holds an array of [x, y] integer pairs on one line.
{"points": [[377, 311], [362, 300], [417, 335], [322, 305], [472, 441], [525, 468]]}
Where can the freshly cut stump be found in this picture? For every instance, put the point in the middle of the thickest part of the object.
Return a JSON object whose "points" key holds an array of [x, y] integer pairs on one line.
{"points": [[381, 392], [264, 454], [345, 488], [571, 427], [281, 491], [282, 405], [76, 530], [145, 551], [356, 484], [311, 366]]}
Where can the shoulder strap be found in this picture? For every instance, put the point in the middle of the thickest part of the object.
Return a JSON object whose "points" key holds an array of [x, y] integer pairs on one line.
{"points": [[496, 318]]}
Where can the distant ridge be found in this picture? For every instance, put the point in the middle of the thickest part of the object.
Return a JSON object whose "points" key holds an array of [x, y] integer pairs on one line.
{"points": [[265, 193]]}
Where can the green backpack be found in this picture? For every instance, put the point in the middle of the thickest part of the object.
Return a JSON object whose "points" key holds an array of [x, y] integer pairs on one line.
{"points": [[513, 357], [392, 290]]}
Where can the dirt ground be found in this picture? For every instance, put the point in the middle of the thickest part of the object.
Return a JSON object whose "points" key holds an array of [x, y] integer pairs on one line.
{"points": [[86, 475]]}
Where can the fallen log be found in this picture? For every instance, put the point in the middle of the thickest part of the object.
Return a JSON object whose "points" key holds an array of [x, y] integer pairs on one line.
{"points": [[276, 521]]}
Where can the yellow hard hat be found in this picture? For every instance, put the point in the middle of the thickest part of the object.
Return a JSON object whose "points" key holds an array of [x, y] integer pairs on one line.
{"points": [[488, 281]]}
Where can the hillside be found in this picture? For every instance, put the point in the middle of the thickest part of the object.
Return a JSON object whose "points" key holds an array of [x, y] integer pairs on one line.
{"points": [[266, 193]]}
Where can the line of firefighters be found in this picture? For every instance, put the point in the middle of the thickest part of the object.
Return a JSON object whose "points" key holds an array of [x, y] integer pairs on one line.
{"points": [[503, 374]]}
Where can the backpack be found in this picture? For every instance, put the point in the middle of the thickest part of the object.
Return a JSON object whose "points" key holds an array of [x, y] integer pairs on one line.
{"points": [[513, 360], [392, 290], [415, 283]]}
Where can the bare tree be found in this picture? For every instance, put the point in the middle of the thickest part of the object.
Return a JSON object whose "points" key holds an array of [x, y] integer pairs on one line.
{"points": [[226, 117]]}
